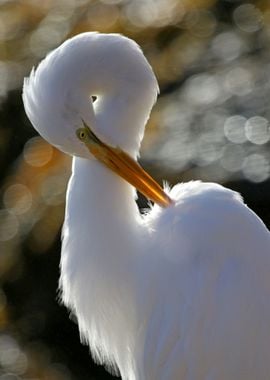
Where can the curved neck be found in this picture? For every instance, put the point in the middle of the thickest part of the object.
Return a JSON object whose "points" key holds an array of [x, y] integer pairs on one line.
{"points": [[111, 67], [121, 117]]}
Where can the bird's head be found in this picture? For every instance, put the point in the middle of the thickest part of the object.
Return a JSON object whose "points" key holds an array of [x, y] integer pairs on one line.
{"points": [[58, 99], [58, 93]]}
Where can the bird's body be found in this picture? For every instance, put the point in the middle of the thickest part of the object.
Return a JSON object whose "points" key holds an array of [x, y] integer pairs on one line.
{"points": [[181, 292]]}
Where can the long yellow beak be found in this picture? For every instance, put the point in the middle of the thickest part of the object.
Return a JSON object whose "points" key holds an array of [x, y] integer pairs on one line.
{"points": [[123, 165]]}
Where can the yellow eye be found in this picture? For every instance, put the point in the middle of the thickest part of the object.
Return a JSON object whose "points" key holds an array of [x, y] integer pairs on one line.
{"points": [[82, 135]]}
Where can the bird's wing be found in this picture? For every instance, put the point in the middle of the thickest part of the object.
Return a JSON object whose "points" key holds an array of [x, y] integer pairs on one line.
{"points": [[211, 265]]}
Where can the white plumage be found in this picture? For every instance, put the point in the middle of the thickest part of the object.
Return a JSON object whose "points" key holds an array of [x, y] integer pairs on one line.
{"points": [[179, 293]]}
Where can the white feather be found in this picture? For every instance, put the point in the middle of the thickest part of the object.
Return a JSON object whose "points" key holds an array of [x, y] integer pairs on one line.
{"points": [[178, 293]]}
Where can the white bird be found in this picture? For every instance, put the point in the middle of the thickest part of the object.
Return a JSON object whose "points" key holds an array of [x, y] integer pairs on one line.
{"points": [[181, 292]]}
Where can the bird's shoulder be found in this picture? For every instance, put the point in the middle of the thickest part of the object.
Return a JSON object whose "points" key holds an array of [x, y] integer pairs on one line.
{"points": [[206, 215]]}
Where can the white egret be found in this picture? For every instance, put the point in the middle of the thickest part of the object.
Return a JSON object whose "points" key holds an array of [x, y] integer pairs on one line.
{"points": [[182, 292]]}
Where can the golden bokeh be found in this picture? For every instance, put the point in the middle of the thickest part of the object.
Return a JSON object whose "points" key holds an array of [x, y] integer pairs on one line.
{"points": [[211, 122]]}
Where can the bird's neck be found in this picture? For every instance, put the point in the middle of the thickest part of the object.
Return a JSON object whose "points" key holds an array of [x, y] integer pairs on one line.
{"points": [[102, 221], [98, 261], [105, 203]]}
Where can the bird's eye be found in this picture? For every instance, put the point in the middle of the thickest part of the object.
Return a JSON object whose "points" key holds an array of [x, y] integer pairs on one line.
{"points": [[82, 135]]}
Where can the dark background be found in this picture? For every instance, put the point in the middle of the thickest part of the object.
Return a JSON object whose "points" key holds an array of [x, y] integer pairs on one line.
{"points": [[211, 122]]}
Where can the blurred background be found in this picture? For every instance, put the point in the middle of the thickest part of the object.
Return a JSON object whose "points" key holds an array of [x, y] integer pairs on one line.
{"points": [[211, 122]]}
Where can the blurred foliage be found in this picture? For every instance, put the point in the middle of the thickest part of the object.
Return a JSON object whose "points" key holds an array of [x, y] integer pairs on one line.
{"points": [[212, 60]]}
